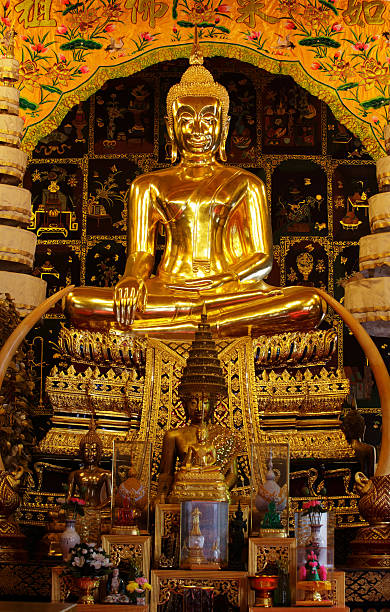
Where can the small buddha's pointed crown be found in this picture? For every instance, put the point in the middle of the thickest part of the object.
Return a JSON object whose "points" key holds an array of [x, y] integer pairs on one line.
{"points": [[197, 81], [203, 372], [91, 437]]}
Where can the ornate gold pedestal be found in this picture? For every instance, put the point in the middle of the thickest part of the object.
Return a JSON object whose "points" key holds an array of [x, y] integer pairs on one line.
{"points": [[371, 547]]}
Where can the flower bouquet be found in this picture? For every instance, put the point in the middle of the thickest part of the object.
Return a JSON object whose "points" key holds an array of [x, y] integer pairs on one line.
{"points": [[137, 590], [74, 506], [137, 585], [86, 565], [313, 509]]}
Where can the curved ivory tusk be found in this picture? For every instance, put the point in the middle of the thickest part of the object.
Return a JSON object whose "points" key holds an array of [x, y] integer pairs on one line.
{"points": [[379, 371], [20, 332]]}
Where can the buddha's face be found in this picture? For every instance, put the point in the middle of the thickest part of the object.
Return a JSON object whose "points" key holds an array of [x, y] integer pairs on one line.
{"points": [[198, 409], [91, 453], [197, 124]]}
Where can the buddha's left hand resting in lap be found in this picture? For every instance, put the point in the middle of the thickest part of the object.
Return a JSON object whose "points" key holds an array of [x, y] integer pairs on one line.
{"points": [[218, 239]]}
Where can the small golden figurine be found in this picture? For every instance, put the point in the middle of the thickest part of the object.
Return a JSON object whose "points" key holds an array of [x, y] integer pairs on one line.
{"points": [[202, 455], [195, 543], [200, 477]]}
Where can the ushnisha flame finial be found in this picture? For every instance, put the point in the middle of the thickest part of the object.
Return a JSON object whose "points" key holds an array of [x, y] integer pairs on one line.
{"points": [[197, 81]]}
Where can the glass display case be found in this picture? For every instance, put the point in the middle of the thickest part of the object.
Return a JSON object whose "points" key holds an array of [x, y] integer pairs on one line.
{"points": [[130, 487], [314, 530], [270, 469], [204, 535]]}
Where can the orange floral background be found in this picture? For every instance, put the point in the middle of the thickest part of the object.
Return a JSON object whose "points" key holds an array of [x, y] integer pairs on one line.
{"points": [[337, 49]]}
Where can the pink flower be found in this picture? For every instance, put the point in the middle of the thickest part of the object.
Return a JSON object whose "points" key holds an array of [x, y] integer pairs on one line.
{"points": [[23, 37], [62, 29], [290, 25], [24, 118], [375, 37], [146, 36], [6, 21], [7, 3], [39, 48], [315, 66], [375, 119], [360, 46], [83, 69], [66, 2], [337, 27], [302, 573], [254, 36], [223, 8], [217, 20], [62, 58], [322, 572], [110, 27], [141, 580], [337, 54], [306, 505], [174, 30]]}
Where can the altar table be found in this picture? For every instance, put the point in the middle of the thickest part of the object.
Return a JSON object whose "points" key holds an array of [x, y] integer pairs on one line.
{"points": [[36, 606]]}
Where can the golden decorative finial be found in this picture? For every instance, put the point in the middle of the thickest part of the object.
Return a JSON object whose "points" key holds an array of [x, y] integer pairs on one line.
{"points": [[196, 57], [197, 81]]}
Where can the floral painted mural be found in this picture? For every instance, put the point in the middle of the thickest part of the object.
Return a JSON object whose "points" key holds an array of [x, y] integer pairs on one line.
{"points": [[339, 50]]}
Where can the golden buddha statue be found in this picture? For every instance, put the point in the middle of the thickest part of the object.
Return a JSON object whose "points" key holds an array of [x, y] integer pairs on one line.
{"points": [[201, 455], [205, 452], [218, 238], [91, 483], [200, 477]]}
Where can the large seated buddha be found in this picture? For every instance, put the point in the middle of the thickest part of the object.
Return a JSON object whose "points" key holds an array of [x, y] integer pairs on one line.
{"points": [[218, 238]]}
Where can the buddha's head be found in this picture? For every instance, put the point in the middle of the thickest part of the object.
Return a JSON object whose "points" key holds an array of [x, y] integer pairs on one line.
{"points": [[197, 113], [353, 426], [198, 407], [91, 446]]}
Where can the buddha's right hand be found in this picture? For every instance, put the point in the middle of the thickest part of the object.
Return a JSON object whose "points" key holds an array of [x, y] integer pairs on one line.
{"points": [[129, 297]]}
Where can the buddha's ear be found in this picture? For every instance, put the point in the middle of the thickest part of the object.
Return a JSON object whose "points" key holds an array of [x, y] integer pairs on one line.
{"points": [[169, 127], [172, 139], [225, 130]]}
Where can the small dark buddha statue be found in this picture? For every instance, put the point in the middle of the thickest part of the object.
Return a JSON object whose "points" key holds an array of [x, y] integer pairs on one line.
{"points": [[353, 427], [93, 484]]}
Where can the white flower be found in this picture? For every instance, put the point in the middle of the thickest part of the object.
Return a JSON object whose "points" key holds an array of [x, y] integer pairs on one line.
{"points": [[79, 561], [84, 551]]}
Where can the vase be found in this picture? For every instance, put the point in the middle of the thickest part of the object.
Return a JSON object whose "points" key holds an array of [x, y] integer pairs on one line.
{"points": [[315, 539], [69, 538], [141, 601], [84, 586]]}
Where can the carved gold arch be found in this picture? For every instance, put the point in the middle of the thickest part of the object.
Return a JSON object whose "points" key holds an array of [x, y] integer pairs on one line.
{"points": [[339, 50]]}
